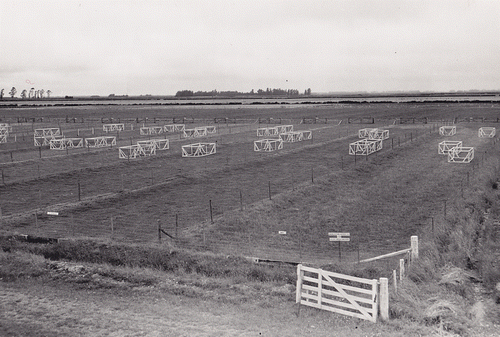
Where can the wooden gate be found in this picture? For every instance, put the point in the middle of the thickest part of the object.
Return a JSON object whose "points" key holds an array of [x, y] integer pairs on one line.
{"points": [[343, 294]]}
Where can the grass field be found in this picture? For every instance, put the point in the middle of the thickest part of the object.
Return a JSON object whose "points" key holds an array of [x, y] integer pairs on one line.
{"points": [[383, 191], [307, 189]]}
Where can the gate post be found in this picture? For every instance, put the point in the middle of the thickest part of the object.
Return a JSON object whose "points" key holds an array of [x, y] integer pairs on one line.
{"points": [[384, 298], [414, 247], [300, 275]]}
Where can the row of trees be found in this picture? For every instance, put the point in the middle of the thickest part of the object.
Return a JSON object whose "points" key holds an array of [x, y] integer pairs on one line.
{"points": [[25, 94], [260, 92]]}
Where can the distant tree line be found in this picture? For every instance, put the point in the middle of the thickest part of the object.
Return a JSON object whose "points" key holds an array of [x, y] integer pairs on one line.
{"points": [[25, 94], [259, 92]]}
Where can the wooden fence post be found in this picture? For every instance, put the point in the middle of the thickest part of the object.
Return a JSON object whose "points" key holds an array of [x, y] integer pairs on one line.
{"points": [[298, 291], [384, 298], [395, 281], [401, 269], [414, 247]]}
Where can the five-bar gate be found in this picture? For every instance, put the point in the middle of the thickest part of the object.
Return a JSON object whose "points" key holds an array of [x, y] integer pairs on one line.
{"points": [[343, 294]]}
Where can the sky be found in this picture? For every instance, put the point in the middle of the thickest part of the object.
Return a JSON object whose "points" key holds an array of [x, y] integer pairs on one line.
{"points": [[160, 47]]}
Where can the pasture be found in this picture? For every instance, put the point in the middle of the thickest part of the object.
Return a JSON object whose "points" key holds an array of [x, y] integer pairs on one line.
{"points": [[237, 201]]}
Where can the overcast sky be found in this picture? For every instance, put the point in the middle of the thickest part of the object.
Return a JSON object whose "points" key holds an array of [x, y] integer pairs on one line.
{"points": [[159, 47]]}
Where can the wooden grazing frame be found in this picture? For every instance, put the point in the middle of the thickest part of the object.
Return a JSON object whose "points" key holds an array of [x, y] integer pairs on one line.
{"points": [[460, 154], [130, 151], [47, 132], [102, 141], [4, 132], [159, 143], [343, 294], [174, 128], [113, 127], [378, 134], [295, 136], [448, 130], [365, 147], [151, 130], [44, 140], [267, 145], [363, 133], [267, 132], [199, 149], [284, 128], [66, 143], [211, 129], [6, 126], [195, 133], [445, 146], [486, 132]]}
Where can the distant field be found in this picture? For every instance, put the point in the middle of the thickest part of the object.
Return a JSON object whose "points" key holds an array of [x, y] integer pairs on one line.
{"points": [[315, 186]]}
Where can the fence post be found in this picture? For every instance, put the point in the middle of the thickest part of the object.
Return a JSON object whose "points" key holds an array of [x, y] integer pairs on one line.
{"points": [[395, 281], [320, 287], [401, 269], [384, 298], [414, 247], [298, 291]]}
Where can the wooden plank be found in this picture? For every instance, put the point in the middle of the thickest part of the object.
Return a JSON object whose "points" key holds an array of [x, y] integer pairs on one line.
{"points": [[337, 275], [352, 288], [358, 299], [338, 311], [346, 287], [399, 252], [346, 305]]}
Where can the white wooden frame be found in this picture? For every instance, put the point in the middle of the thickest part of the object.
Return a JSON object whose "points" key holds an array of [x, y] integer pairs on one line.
{"points": [[195, 133], [3, 138], [113, 127], [147, 148], [486, 132], [44, 140], [5, 128], [326, 290], [65, 143], [295, 136], [378, 134], [211, 129], [448, 130], [364, 133], [130, 151], [47, 132], [284, 128], [267, 132], [267, 145], [159, 143], [102, 141], [151, 130], [460, 154], [446, 145], [198, 149], [365, 147], [174, 127]]}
